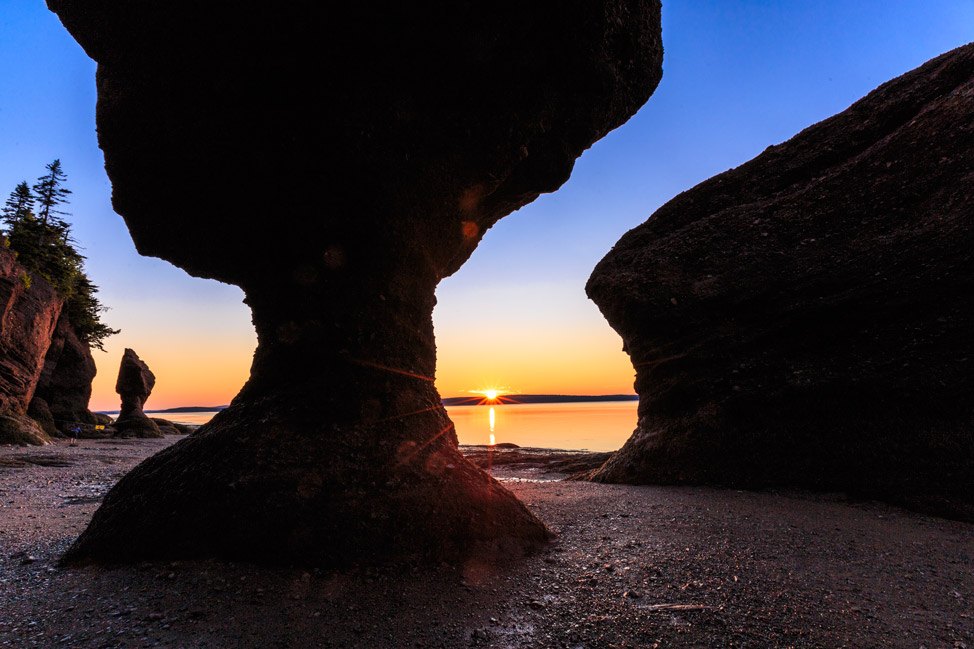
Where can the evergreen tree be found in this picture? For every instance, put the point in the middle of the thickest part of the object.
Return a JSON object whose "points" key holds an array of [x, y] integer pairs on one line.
{"points": [[50, 192], [44, 247], [84, 311], [19, 205]]}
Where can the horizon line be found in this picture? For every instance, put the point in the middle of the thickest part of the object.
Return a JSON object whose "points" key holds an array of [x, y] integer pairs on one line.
{"points": [[453, 401]]}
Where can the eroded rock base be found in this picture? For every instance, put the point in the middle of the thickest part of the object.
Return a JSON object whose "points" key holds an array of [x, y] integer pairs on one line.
{"points": [[261, 483]]}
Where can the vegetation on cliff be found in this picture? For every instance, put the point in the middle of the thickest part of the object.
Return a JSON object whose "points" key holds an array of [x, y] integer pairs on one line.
{"points": [[33, 227]]}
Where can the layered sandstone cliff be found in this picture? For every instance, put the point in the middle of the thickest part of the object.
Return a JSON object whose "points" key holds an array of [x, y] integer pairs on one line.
{"points": [[29, 311], [60, 401]]}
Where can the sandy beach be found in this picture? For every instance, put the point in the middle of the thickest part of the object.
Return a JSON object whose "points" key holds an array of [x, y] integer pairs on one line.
{"points": [[631, 567]]}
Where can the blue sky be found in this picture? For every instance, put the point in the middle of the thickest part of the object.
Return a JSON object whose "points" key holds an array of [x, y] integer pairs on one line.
{"points": [[738, 76]]}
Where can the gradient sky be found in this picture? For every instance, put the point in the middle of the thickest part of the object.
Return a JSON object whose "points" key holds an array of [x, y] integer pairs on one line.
{"points": [[739, 75]]}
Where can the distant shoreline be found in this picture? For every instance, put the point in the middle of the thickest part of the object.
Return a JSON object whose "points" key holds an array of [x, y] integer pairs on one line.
{"points": [[516, 399], [508, 399], [181, 409]]}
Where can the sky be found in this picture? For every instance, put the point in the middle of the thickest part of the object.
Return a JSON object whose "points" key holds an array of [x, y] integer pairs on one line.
{"points": [[738, 76]]}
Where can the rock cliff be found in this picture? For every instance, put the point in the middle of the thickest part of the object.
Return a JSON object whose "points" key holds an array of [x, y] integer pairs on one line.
{"points": [[60, 402], [30, 310], [336, 166], [806, 318]]}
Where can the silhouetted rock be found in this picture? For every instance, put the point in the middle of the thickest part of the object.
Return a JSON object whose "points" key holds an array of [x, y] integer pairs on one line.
{"points": [[134, 385], [547, 460], [64, 387], [22, 430], [30, 310], [807, 318], [336, 166], [95, 432], [39, 411], [102, 419], [170, 427]]}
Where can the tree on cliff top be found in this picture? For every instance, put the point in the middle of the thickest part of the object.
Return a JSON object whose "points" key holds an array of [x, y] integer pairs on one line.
{"points": [[19, 204], [44, 246], [51, 192]]}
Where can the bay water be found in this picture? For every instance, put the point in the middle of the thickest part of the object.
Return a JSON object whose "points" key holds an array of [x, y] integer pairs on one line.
{"points": [[598, 426]]}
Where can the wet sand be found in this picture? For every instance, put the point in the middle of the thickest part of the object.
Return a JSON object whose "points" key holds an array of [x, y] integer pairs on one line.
{"points": [[632, 567]]}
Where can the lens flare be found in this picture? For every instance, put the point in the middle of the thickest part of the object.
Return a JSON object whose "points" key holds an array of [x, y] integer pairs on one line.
{"points": [[492, 395]]}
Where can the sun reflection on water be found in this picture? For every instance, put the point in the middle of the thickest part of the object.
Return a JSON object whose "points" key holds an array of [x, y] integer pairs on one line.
{"points": [[492, 417]]}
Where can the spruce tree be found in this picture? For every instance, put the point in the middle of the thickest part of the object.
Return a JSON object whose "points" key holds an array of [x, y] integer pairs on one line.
{"points": [[50, 192], [44, 247], [19, 205]]}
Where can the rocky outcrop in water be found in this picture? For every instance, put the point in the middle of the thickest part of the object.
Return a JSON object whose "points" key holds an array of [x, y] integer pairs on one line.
{"points": [[167, 427], [806, 318], [60, 402], [134, 385], [359, 160], [30, 311]]}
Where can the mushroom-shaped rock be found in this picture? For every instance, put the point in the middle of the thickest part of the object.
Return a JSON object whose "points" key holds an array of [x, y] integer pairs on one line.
{"points": [[807, 318], [336, 166], [134, 385]]}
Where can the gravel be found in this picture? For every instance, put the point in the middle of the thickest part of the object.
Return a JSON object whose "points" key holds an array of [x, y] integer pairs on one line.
{"points": [[632, 567]]}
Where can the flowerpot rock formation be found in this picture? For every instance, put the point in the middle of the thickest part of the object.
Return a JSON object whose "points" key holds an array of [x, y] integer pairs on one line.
{"points": [[134, 385], [336, 166], [807, 318]]}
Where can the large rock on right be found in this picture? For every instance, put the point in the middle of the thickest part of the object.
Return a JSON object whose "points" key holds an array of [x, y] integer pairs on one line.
{"points": [[808, 317], [134, 385]]}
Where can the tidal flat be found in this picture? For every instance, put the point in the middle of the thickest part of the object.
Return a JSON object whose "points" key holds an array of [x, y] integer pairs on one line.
{"points": [[630, 567]]}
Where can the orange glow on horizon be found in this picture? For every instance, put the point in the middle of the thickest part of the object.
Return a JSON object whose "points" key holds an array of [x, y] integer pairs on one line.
{"points": [[200, 374], [200, 362], [208, 374], [590, 362]]}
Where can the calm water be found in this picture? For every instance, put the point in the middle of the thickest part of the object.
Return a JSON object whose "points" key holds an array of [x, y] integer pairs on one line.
{"points": [[601, 426], [189, 418]]}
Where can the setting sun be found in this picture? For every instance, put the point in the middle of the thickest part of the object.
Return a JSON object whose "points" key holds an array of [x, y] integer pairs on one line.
{"points": [[491, 395]]}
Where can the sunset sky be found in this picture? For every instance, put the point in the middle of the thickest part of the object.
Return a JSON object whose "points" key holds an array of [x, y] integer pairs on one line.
{"points": [[738, 76]]}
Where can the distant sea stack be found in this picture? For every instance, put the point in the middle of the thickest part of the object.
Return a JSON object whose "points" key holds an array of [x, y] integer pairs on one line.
{"points": [[807, 318], [134, 385], [30, 312], [336, 168]]}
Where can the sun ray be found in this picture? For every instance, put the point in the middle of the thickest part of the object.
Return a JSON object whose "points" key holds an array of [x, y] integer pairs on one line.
{"points": [[491, 395]]}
